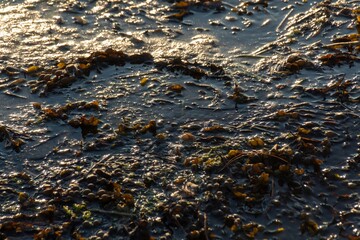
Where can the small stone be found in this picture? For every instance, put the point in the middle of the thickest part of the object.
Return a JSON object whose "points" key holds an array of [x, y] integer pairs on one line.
{"points": [[105, 198], [187, 137], [91, 196]]}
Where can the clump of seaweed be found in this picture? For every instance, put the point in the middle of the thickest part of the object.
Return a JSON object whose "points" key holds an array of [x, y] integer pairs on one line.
{"points": [[12, 138], [289, 64], [309, 25], [249, 7], [64, 74], [194, 70], [182, 8]]}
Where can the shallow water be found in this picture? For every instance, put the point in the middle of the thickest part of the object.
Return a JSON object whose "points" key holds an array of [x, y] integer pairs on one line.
{"points": [[178, 200]]}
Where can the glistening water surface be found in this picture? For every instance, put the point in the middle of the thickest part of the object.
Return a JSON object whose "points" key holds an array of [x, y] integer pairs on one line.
{"points": [[179, 119]]}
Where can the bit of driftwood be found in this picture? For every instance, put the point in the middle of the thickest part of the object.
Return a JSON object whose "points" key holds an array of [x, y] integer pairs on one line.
{"points": [[272, 187], [7, 92], [226, 4], [117, 213], [107, 157], [206, 232], [267, 47], [47, 140], [264, 128], [251, 56], [12, 83], [283, 21], [136, 75], [341, 44]]}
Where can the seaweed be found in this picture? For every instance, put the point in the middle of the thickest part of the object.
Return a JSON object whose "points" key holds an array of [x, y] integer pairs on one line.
{"points": [[12, 138], [64, 74]]}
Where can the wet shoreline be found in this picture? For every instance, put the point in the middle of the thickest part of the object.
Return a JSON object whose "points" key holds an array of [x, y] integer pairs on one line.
{"points": [[179, 120]]}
